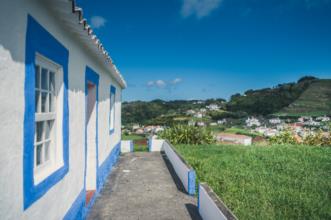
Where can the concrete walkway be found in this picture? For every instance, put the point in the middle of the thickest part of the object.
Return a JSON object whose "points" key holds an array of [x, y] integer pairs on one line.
{"points": [[143, 186]]}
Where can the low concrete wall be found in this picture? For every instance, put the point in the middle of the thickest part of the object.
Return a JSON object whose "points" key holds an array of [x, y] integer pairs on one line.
{"points": [[211, 207], [185, 173], [126, 146], [155, 145]]}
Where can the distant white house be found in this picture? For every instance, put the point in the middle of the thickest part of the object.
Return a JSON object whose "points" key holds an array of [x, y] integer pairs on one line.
{"points": [[221, 122], [190, 112], [251, 121], [296, 127], [271, 132], [234, 138], [311, 122], [198, 115], [60, 113], [203, 110], [275, 121], [261, 130], [323, 118], [213, 107], [191, 123], [304, 118], [201, 123], [135, 127], [140, 131]]}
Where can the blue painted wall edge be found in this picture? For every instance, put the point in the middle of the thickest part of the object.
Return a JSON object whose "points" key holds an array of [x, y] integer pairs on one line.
{"points": [[78, 210]]}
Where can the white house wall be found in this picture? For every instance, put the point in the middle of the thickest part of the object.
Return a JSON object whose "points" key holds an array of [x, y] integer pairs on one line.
{"points": [[59, 198]]}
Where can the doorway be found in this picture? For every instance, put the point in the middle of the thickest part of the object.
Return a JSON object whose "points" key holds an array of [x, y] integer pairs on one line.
{"points": [[91, 141]]}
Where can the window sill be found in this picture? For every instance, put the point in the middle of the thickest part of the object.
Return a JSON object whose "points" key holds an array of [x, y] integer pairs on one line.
{"points": [[42, 172]]}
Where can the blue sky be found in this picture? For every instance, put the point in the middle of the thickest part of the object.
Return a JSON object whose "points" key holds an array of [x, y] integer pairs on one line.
{"points": [[197, 49]]}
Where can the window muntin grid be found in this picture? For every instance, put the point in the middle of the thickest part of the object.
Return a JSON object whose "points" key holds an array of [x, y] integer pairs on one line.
{"points": [[45, 112]]}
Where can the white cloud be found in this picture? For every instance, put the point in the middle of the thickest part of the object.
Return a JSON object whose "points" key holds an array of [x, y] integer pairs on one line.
{"points": [[98, 21], [150, 83], [176, 81], [160, 83], [199, 8], [164, 84]]}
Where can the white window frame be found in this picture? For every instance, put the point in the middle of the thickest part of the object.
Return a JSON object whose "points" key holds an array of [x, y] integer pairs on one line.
{"points": [[55, 148]]}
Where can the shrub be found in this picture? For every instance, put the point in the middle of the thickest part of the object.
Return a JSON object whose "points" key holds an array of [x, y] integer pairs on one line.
{"points": [[285, 137], [312, 139], [183, 134], [317, 139]]}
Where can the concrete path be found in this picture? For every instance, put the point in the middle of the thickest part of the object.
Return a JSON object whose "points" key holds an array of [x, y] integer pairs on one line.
{"points": [[143, 186]]}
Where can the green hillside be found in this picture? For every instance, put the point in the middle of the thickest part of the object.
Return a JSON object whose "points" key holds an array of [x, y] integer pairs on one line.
{"points": [[314, 101]]}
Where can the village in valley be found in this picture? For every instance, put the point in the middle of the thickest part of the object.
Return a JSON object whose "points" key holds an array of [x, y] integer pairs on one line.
{"points": [[243, 130]]}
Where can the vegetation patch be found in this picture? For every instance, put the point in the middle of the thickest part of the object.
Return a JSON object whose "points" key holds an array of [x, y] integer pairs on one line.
{"points": [[270, 182], [139, 142], [184, 134]]}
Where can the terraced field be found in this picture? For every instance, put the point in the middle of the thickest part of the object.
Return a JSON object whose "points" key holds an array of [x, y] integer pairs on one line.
{"points": [[315, 101]]}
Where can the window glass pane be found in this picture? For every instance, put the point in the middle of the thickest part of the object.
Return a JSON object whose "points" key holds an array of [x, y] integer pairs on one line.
{"points": [[46, 150], [47, 132], [39, 131], [51, 81], [44, 102], [37, 77], [51, 102], [49, 126], [44, 79], [112, 110], [37, 101], [38, 154]]}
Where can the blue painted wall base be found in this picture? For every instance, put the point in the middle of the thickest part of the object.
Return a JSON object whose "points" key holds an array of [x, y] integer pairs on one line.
{"points": [[191, 182], [79, 210]]}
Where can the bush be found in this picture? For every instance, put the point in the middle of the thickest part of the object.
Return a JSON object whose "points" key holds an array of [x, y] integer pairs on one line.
{"points": [[285, 137], [313, 139], [317, 139], [183, 134]]}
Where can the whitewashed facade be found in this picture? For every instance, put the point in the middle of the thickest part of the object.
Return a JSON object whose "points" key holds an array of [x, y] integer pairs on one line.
{"points": [[60, 112]]}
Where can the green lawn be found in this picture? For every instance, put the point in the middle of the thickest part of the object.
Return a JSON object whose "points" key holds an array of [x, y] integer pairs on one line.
{"points": [[139, 142], [133, 137], [271, 182]]}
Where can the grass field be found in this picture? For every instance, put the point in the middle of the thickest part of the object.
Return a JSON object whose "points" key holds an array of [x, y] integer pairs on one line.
{"points": [[139, 142], [273, 182]]}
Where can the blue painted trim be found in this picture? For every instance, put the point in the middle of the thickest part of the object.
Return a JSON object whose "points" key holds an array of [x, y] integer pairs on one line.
{"points": [[198, 203], [38, 39], [108, 164], [131, 146], [92, 77], [112, 89], [191, 182], [78, 210], [103, 172], [112, 93]]}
